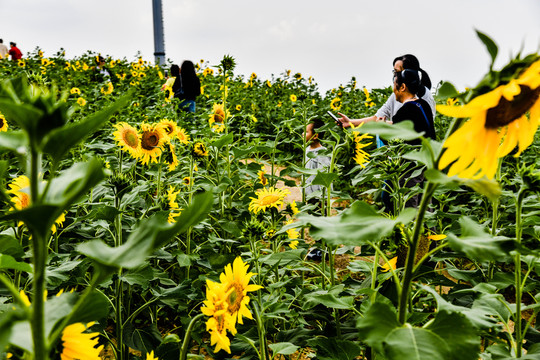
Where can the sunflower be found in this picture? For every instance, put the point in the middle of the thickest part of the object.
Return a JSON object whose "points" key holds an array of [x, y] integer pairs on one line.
{"points": [[207, 72], [268, 198], [293, 98], [498, 123], [107, 89], [79, 345], [169, 157], [169, 127], [3, 123], [186, 181], [174, 208], [392, 264], [236, 278], [293, 244], [81, 101], [260, 174], [19, 190], [182, 136], [152, 140], [128, 138], [75, 90], [293, 207], [292, 233], [200, 149], [218, 114], [21, 63], [335, 104], [150, 356], [361, 157], [221, 320]]}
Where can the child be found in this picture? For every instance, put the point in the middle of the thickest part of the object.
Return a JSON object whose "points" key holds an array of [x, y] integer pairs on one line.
{"points": [[315, 161]]}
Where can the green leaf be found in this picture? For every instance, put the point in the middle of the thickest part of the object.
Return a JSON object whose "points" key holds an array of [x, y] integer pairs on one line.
{"points": [[8, 262], [403, 130], [144, 339], [458, 333], [415, 344], [476, 243], [332, 301], [140, 276], [487, 187], [447, 90], [9, 245], [149, 235], [359, 225], [283, 348], [60, 140], [491, 47], [15, 141], [378, 321], [324, 179], [39, 219], [223, 140], [335, 348]]}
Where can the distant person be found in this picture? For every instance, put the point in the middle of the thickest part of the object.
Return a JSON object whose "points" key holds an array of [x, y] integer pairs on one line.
{"points": [[14, 51], [101, 72], [187, 85], [318, 161], [392, 105], [4, 52]]}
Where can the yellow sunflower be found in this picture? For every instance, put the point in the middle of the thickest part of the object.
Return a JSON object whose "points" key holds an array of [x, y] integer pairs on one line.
{"points": [[498, 123], [169, 127], [182, 136], [262, 179], [293, 244], [186, 181], [218, 114], [292, 233], [392, 264], [335, 104], [3, 123], [361, 157], [21, 63], [236, 279], [268, 198], [174, 208], [78, 345], [128, 138], [107, 89], [200, 149], [152, 140], [19, 189], [169, 157], [150, 356], [75, 90], [221, 320], [81, 101], [293, 98]]}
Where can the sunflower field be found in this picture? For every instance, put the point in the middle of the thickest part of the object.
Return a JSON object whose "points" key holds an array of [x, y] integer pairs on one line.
{"points": [[131, 229]]}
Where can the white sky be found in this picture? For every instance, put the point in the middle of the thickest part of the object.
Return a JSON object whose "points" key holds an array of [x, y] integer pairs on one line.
{"points": [[331, 41]]}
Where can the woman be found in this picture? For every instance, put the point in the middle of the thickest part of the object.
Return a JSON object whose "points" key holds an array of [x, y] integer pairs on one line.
{"points": [[392, 105], [186, 85]]}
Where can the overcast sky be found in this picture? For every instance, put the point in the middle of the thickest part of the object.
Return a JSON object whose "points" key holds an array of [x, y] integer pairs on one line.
{"points": [[331, 41]]}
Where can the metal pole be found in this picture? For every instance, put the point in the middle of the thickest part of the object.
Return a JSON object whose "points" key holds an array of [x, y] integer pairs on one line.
{"points": [[159, 39]]}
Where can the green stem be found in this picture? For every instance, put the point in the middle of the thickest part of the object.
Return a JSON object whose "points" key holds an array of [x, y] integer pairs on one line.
{"points": [[263, 353], [411, 255], [518, 282], [187, 337]]}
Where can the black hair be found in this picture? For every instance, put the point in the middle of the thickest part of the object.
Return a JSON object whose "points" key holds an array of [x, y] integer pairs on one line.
{"points": [[411, 62], [411, 78], [12, 43], [317, 124], [1, 41], [99, 59], [175, 70], [189, 77]]}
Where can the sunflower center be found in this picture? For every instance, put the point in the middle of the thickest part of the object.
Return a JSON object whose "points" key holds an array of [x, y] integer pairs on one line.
{"points": [[150, 140], [131, 139], [269, 199], [507, 111], [219, 116], [235, 298]]}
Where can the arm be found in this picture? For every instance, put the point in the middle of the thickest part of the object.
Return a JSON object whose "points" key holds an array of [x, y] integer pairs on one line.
{"points": [[347, 122]]}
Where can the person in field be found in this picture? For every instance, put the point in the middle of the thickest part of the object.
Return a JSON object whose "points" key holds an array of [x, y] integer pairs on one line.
{"points": [[4, 52], [186, 86], [14, 51]]}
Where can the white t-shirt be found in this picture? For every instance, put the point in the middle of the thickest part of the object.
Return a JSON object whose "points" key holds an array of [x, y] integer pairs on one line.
{"points": [[3, 51], [319, 162], [391, 106]]}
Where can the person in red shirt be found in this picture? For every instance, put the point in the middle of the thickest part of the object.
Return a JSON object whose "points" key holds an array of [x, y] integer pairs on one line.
{"points": [[14, 51]]}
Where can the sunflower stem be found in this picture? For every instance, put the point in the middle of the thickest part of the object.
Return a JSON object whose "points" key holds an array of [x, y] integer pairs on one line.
{"points": [[518, 334]]}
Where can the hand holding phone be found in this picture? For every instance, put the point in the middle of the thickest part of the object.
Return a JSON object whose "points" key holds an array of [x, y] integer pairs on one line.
{"points": [[335, 118]]}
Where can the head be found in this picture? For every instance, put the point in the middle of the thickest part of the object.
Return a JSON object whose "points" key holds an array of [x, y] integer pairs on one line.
{"points": [[12, 44], [312, 134], [175, 70], [187, 68], [409, 61], [1, 41], [100, 61], [406, 83]]}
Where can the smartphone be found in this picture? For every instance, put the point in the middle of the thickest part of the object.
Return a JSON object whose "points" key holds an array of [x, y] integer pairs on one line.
{"points": [[335, 118]]}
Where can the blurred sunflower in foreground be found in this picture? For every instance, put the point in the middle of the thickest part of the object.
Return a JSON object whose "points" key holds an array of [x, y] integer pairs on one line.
{"points": [[498, 122]]}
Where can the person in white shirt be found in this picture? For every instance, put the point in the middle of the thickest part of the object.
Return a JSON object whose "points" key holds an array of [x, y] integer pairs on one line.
{"points": [[3, 50]]}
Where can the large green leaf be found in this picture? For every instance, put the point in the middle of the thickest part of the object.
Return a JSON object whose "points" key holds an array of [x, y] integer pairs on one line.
{"points": [[378, 321], [60, 140], [415, 344], [331, 300], [149, 235], [14, 141], [476, 243], [8, 262], [490, 46], [143, 339], [324, 179], [458, 333], [283, 348], [9, 245], [447, 90], [358, 225]]}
